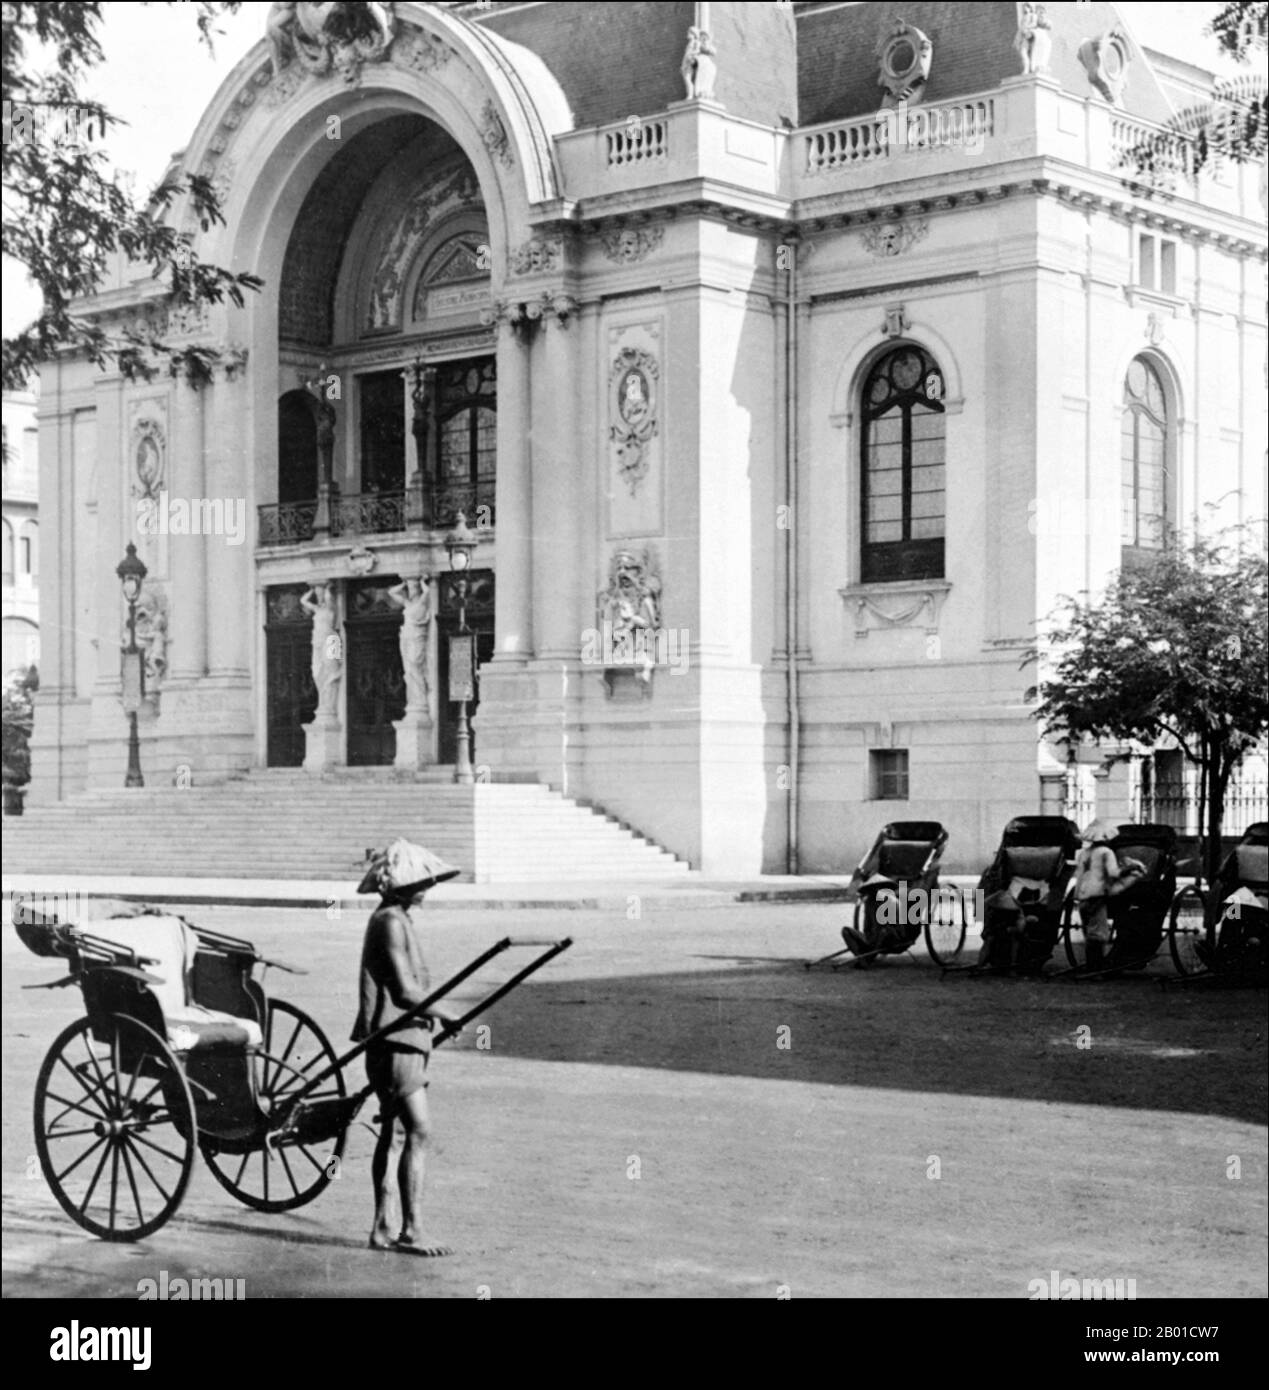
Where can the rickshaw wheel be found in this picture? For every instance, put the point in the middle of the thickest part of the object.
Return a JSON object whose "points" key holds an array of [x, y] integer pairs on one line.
{"points": [[291, 1175], [1187, 930], [944, 935], [115, 1128], [1073, 940]]}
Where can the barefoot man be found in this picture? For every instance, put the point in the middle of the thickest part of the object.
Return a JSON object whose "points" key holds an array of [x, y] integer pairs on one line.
{"points": [[394, 979]]}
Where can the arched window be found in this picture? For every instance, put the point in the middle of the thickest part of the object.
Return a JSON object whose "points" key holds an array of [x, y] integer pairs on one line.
{"points": [[1144, 448], [902, 469], [29, 549], [7, 539], [297, 448], [467, 433]]}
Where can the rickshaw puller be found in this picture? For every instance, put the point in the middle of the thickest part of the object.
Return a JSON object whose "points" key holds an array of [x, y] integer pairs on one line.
{"points": [[394, 979]]}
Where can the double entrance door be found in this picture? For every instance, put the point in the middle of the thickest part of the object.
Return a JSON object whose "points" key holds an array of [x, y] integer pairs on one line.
{"points": [[374, 678]]}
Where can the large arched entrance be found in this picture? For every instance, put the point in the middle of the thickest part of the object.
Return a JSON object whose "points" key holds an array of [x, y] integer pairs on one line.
{"points": [[387, 426], [380, 204]]}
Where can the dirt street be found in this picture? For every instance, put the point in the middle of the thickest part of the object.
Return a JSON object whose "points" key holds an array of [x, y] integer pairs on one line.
{"points": [[639, 1124]]}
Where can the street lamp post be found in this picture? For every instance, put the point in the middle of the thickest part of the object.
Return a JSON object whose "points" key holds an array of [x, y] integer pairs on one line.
{"points": [[131, 571], [460, 543]]}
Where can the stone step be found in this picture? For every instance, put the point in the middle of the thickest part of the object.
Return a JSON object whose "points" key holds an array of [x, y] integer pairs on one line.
{"points": [[281, 824]]}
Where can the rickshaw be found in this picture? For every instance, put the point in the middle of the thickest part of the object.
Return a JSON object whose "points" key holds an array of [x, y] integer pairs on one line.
{"points": [[181, 1049], [1238, 942], [898, 897], [1023, 891], [1139, 913]]}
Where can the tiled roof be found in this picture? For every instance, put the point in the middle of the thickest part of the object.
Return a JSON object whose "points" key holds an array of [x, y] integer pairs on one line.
{"points": [[973, 52]]}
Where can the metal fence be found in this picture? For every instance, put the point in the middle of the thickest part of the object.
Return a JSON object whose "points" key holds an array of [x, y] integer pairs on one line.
{"points": [[1176, 803]]}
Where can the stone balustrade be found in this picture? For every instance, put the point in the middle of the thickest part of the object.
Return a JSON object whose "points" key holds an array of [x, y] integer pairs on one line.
{"points": [[767, 170]]}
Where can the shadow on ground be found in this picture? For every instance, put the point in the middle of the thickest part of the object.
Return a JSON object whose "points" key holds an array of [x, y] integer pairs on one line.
{"points": [[902, 1026]]}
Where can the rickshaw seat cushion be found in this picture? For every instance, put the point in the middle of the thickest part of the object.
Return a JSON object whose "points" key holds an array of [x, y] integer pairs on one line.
{"points": [[169, 946], [903, 859], [1033, 861]]}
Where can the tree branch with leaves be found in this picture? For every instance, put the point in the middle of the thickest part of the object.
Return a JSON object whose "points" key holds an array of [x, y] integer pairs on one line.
{"points": [[67, 216], [1174, 650]]}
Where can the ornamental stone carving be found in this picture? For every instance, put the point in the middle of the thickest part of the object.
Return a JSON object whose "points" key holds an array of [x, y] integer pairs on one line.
{"points": [[904, 55], [629, 614], [915, 605], [896, 322], [699, 68], [421, 52], [152, 637], [316, 38], [626, 245], [454, 188], [882, 239], [149, 456], [1034, 39], [494, 136], [537, 254], [1106, 60], [633, 382]]}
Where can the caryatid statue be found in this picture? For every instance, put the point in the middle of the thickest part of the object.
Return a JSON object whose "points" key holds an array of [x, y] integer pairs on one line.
{"points": [[328, 647], [416, 621]]}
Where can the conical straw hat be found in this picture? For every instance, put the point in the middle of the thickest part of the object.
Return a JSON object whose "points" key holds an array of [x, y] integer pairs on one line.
{"points": [[403, 865]]}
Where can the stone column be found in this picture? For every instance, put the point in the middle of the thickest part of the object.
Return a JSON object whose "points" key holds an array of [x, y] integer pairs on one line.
{"points": [[555, 488], [187, 480], [227, 557], [513, 593]]}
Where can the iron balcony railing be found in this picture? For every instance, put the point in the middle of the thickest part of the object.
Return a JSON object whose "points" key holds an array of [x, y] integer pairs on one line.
{"points": [[379, 513]]}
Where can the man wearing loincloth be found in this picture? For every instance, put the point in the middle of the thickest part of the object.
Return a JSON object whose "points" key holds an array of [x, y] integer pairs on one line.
{"points": [[393, 980]]}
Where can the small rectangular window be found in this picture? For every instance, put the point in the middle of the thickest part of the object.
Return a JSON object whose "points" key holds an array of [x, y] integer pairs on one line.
{"points": [[1167, 267], [889, 768], [1145, 262]]}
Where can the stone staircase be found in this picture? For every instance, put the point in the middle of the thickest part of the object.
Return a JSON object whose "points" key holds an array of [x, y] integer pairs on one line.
{"points": [[286, 825]]}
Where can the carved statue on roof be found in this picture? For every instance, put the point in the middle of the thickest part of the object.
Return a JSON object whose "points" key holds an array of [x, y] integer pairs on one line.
{"points": [[699, 68], [321, 36], [1034, 39]]}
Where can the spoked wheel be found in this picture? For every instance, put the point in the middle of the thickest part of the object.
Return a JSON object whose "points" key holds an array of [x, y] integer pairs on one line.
{"points": [[1187, 931], [292, 1174], [945, 928], [1074, 941], [114, 1128]]}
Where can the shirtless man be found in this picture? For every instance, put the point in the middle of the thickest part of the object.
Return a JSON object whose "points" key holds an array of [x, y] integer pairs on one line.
{"points": [[394, 979]]}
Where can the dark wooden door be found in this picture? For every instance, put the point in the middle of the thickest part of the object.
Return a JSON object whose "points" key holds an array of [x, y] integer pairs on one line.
{"points": [[292, 696], [376, 681], [480, 620]]}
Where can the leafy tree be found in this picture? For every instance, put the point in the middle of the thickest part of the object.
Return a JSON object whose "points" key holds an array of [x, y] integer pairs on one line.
{"points": [[1177, 647], [1231, 124], [65, 216]]}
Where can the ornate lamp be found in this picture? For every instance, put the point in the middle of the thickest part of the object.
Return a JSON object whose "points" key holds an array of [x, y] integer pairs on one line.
{"points": [[132, 571], [461, 543]]}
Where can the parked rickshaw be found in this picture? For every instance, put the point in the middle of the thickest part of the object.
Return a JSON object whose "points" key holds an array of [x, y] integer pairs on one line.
{"points": [[1139, 912], [1238, 941], [181, 1049], [898, 897]]}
